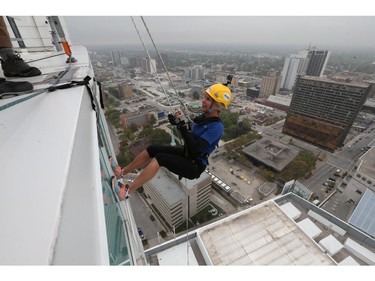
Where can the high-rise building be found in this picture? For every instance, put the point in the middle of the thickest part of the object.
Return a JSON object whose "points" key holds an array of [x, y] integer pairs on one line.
{"points": [[311, 62], [178, 200], [317, 62], [294, 65], [132, 119], [135, 62], [116, 56], [149, 65], [322, 111], [270, 85], [126, 90], [197, 73]]}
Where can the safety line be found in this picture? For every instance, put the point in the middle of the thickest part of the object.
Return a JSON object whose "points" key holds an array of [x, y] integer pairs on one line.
{"points": [[165, 68], [186, 114], [149, 57], [56, 55], [13, 103]]}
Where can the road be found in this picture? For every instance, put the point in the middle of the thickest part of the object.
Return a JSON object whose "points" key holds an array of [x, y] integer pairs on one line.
{"points": [[344, 159], [142, 213]]}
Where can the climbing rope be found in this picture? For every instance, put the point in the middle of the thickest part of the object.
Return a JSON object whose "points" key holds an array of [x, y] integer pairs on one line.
{"points": [[186, 111], [173, 142], [149, 57]]}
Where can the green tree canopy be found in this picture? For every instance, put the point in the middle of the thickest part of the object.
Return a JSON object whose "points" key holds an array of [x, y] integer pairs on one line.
{"points": [[160, 137], [152, 119], [114, 92]]}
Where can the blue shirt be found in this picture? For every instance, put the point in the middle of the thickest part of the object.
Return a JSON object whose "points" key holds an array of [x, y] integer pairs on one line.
{"points": [[210, 132]]}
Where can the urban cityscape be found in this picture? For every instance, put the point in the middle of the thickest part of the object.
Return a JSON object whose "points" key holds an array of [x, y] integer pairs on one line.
{"points": [[311, 108], [291, 181]]}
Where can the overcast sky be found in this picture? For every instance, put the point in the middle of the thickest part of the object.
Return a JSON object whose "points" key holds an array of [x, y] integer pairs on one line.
{"points": [[323, 23], [320, 31]]}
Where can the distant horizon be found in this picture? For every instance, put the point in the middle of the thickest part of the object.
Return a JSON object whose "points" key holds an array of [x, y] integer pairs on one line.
{"points": [[239, 47]]}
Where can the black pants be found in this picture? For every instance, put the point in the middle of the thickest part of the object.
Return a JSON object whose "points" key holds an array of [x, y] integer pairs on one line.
{"points": [[174, 160]]}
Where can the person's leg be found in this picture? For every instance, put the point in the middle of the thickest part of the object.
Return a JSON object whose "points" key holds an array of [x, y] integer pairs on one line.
{"points": [[10, 88], [142, 159], [151, 155], [13, 65], [147, 174], [5, 42], [145, 156], [177, 164]]}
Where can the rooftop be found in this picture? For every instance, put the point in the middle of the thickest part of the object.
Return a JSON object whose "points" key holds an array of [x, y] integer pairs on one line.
{"points": [[285, 231], [263, 235], [360, 85], [272, 153]]}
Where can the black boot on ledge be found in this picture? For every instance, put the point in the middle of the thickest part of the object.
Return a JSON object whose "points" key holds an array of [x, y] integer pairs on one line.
{"points": [[15, 66], [10, 88]]}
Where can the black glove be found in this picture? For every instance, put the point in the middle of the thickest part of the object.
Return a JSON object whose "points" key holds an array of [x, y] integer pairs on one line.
{"points": [[181, 124], [173, 119]]}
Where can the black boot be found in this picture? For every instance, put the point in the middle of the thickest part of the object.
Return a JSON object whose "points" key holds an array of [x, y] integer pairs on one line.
{"points": [[15, 66], [10, 88]]}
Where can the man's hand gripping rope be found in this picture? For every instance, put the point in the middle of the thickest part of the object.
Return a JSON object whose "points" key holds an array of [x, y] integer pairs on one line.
{"points": [[178, 119]]}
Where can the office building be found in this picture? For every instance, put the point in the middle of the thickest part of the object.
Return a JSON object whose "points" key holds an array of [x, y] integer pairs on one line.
{"points": [[197, 73], [178, 200], [294, 65], [317, 62], [116, 56], [322, 111], [311, 62], [149, 65], [270, 85], [132, 119], [126, 90]]}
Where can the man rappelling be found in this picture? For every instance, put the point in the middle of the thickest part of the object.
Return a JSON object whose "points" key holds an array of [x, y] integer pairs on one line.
{"points": [[190, 160]]}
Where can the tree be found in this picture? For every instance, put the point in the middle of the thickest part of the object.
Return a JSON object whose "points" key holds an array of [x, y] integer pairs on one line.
{"points": [[152, 120], [113, 116], [246, 124], [114, 92], [300, 166], [229, 118], [111, 102], [133, 128], [160, 137], [124, 157], [147, 131]]}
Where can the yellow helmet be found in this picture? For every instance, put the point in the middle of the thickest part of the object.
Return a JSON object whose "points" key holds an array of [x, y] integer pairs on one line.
{"points": [[220, 94]]}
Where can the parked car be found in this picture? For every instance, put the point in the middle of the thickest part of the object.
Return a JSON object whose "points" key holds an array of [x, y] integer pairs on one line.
{"points": [[140, 232], [152, 218]]}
